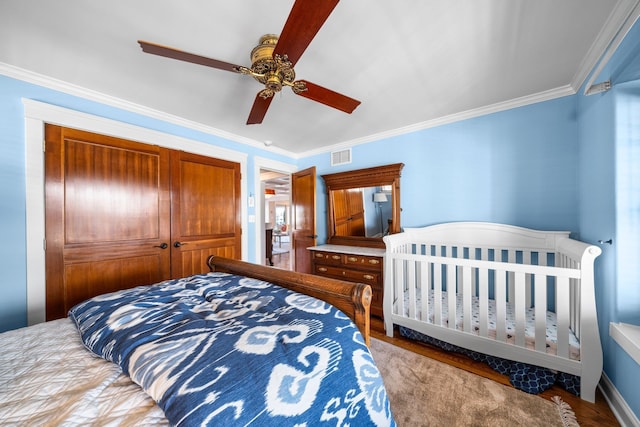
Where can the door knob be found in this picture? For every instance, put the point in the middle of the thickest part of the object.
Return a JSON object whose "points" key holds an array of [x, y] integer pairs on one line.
{"points": [[162, 246], [178, 244]]}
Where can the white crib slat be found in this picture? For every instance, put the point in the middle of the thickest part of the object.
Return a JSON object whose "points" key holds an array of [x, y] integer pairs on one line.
{"points": [[501, 305], [437, 293], [451, 295], [575, 298], [412, 284], [541, 312], [562, 316], [399, 288], [474, 284], [526, 259], [467, 314], [519, 309], [511, 258], [424, 290], [483, 295]]}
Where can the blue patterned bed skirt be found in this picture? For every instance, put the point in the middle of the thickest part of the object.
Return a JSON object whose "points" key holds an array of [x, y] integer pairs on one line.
{"points": [[529, 378]]}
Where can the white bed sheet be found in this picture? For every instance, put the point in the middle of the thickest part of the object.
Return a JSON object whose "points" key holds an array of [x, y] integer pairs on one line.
{"points": [[551, 334], [47, 377]]}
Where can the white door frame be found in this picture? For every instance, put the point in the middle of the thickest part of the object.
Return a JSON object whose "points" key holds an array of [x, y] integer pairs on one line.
{"points": [[272, 165]]}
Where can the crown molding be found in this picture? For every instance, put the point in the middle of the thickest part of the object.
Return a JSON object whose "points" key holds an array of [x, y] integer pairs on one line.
{"points": [[452, 118], [618, 25], [112, 101], [614, 25]]}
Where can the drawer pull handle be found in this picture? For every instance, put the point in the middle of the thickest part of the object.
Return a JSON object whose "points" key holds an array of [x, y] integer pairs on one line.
{"points": [[319, 255], [367, 276], [324, 270], [335, 256], [374, 261], [353, 259]]}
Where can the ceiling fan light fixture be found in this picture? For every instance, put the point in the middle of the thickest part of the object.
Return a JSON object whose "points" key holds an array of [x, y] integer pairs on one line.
{"points": [[273, 59]]}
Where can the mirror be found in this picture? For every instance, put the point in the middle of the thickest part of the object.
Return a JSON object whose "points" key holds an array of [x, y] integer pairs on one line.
{"points": [[363, 212], [363, 205]]}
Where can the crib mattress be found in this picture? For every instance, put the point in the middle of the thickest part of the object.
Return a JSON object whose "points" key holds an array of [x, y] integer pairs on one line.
{"points": [[510, 324]]}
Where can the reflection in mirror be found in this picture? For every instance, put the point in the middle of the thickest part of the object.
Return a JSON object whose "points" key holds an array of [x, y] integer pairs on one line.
{"points": [[364, 211]]}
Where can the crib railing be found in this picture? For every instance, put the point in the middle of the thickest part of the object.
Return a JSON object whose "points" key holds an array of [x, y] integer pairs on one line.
{"points": [[519, 286]]}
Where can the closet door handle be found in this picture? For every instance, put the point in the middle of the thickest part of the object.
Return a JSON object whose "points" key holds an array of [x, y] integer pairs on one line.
{"points": [[162, 246], [178, 244]]}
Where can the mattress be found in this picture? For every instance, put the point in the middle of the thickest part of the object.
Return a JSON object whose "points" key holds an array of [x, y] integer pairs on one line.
{"points": [[47, 377], [510, 324]]}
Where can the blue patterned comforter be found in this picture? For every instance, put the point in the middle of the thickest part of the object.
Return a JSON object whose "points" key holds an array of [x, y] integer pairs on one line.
{"points": [[219, 349]]}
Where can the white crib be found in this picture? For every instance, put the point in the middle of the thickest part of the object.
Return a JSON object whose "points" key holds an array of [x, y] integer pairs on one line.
{"points": [[516, 293]]}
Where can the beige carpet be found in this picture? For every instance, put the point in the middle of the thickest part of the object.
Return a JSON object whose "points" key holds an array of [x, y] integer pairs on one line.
{"points": [[425, 392]]}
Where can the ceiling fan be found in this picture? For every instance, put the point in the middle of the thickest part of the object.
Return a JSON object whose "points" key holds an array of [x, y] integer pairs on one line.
{"points": [[272, 61]]}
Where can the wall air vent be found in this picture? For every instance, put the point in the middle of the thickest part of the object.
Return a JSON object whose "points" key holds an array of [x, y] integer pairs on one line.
{"points": [[341, 157]]}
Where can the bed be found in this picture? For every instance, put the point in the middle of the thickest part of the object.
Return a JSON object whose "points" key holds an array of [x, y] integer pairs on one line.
{"points": [[517, 295], [242, 345]]}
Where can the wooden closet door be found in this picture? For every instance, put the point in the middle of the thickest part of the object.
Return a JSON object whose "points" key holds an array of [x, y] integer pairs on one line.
{"points": [[107, 216], [205, 214], [348, 211], [356, 212]]}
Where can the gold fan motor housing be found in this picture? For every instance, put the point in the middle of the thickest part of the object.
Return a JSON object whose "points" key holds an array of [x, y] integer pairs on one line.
{"points": [[270, 71]]}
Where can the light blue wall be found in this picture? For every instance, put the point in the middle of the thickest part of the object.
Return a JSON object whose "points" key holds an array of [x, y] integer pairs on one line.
{"points": [[609, 135], [12, 180], [518, 167]]}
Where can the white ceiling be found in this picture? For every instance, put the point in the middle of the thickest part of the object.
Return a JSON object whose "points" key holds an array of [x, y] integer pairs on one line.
{"points": [[410, 62]]}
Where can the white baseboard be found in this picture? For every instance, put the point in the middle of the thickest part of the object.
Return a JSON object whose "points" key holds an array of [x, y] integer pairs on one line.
{"points": [[618, 405]]}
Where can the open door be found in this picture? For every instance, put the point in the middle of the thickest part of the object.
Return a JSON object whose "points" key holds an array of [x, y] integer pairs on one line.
{"points": [[303, 224]]}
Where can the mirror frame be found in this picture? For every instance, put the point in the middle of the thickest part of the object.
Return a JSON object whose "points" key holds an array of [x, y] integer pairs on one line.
{"points": [[369, 177]]}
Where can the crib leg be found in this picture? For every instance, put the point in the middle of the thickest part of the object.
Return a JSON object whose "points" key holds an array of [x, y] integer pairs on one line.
{"points": [[388, 327], [588, 385]]}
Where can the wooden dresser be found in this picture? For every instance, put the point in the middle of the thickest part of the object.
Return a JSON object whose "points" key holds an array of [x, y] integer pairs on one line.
{"points": [[354, 264]]}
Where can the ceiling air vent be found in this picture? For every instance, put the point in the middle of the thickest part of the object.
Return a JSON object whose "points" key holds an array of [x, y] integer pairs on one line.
{"points": [[342, 157]]}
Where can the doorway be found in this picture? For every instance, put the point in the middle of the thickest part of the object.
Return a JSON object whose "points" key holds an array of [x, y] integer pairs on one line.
{"points": [[276, 217]]}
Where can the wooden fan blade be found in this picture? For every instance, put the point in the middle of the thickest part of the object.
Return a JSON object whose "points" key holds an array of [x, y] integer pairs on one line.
{"points": [[328, 97], [259, 109], [172, 53], [304, 22]]}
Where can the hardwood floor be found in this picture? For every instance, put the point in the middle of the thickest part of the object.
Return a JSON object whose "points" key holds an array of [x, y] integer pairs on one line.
{"points": [[588, 414], [282, 260]]}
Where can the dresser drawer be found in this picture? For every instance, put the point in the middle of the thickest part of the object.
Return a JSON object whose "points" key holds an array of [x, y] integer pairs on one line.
{"points": [[371, 261], [328, 258], [368, 277]]}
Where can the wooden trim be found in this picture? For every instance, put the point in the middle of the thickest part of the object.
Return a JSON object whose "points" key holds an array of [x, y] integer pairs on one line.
{"points": [[354, 299]]}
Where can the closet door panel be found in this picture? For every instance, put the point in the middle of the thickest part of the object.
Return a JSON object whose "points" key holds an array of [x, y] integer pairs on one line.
{"points": [[193, 257], [107, 216], [205, 211], [87, 279]]}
